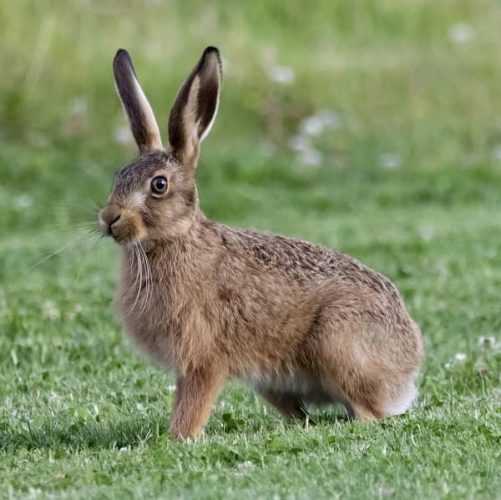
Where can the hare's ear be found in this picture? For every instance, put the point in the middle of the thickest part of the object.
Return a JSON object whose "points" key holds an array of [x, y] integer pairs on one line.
{"points": [[195, 108], [141, 118]]}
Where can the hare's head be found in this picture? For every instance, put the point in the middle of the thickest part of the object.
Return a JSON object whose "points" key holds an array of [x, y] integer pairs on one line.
{"points": [[155, 199]]}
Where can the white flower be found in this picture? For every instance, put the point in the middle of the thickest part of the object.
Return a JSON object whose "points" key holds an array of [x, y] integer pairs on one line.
{"points": [[54, 399], [39, 140], [487, 342], [389, 161], [96, 278], [459, 358], [78, 106], [50, 311], [329, 118], [426, 232], [171, 388], [315, 124], [244, 467], [75, 312], [76, 120], [299, 143], [460, 33], [310, 157], [281, 74], [23, 201], [481, 369], [496, 152], [312, 125], [441, 268], [123, 135]]}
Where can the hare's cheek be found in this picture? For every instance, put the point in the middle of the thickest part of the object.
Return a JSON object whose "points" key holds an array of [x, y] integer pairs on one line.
{"points": [[137, 226], [131, 227]]}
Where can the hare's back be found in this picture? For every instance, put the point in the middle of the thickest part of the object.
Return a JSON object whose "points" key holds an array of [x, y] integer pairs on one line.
{"points": [[305, 262]]}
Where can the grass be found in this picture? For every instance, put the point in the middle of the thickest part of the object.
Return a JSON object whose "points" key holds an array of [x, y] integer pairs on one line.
{"points": [[81, 414]]}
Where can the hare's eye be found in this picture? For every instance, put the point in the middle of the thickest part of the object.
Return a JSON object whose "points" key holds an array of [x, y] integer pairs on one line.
{"points": [[159, 185]]}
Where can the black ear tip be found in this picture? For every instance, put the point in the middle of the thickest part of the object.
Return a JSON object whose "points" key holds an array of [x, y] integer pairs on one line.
{"points": [[123, 62], [121, 55], [213, 50]]}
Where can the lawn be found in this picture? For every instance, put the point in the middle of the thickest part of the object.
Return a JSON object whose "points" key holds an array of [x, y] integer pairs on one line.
{"points": [[370, 127]]}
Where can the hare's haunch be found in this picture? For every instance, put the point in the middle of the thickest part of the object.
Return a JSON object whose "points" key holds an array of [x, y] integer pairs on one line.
{"points": [[301, 323]]}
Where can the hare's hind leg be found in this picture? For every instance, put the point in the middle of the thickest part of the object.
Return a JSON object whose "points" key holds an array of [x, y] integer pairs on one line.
{"points": [[361, 399], [395, 399], [363, 414], [366, 349], [371, 391], [361, 375], [288, 405], [403, 398]]}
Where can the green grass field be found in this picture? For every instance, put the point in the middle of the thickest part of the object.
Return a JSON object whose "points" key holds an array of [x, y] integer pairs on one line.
{"points": [[404, 173]]}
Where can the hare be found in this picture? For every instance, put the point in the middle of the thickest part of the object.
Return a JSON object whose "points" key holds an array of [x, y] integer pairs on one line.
{"points": [[301, 323]]}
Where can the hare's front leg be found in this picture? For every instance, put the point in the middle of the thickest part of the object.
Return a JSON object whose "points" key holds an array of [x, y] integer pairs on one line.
{"points": [[196, 391]]}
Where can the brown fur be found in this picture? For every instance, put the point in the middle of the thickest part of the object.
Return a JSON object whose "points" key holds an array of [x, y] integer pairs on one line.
{"points": [[303, 324]]}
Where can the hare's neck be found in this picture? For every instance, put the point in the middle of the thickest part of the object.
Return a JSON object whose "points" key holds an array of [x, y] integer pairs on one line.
{"points": [[136, 266], [170, 257], [161, 258]]}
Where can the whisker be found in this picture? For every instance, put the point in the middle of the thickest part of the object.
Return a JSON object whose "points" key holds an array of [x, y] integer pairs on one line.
{"points": [[139, 275], [140, 257], [73, 211], [59, 250], [64, 230], [85, 224], [85, 257], [95, 203], [142, 275], [149, 278]]}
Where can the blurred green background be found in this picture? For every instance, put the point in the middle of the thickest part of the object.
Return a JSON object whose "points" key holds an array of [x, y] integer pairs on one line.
{"points": [[373, 127], [411, 84]]}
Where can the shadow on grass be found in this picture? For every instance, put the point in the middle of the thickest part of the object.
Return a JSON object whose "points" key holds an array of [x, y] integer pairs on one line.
{"points": [[134, 432], [331, 416], [85, 435]]}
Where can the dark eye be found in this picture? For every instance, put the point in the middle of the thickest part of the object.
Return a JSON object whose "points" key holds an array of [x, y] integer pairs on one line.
{"points": [[159, 185]]}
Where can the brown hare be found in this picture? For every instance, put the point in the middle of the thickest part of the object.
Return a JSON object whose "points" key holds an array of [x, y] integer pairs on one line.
{"points": [[301, 323]]}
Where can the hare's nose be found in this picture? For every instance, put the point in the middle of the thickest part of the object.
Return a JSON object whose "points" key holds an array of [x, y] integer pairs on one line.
{"points": [[114, 220], [109, 217]]}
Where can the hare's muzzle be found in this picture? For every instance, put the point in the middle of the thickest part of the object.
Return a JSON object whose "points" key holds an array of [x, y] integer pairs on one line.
{"points": [[123, 224], [109, 219]]}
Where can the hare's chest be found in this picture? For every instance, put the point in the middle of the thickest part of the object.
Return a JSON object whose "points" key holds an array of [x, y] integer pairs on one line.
{"points": [[167, 318], [148, 318], [156, 340]]}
